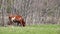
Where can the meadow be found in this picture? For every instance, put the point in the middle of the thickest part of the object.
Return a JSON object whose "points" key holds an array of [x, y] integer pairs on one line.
{"points": [[33, 29]]}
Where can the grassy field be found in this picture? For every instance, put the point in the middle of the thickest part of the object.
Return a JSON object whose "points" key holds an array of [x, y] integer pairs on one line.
{"points": [[35, 29]]}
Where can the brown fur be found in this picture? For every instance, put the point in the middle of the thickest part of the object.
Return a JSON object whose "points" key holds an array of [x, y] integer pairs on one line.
{"points": [[18, 19]]}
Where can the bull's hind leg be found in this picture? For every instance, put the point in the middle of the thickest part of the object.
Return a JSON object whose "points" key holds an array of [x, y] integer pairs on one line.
{"points": [[23, 23], [20, 23], [17, 24]]}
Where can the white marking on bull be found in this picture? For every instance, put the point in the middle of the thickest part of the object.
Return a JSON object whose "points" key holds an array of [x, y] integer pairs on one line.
{"points": [[13, 19]]}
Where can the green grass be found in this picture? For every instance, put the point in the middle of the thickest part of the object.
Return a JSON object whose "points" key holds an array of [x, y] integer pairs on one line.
{"points": [[34, 29]]}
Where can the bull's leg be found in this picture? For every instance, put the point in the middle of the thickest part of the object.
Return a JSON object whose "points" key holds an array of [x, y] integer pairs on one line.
{"points": [[20, 23], [17, 24], [23, 23]]}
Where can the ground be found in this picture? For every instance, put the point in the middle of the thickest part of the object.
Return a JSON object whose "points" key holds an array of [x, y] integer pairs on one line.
{"points": [[33, 29]]}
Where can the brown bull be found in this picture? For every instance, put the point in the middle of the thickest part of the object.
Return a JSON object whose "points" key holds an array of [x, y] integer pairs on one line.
{"points": [[16, 19]]}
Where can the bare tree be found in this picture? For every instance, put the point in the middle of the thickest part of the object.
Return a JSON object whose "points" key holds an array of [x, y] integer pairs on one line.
{"points": [[2, 12]]}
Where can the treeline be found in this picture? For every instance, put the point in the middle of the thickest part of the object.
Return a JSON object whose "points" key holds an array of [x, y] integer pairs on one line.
{"points": [[33, 11]]}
